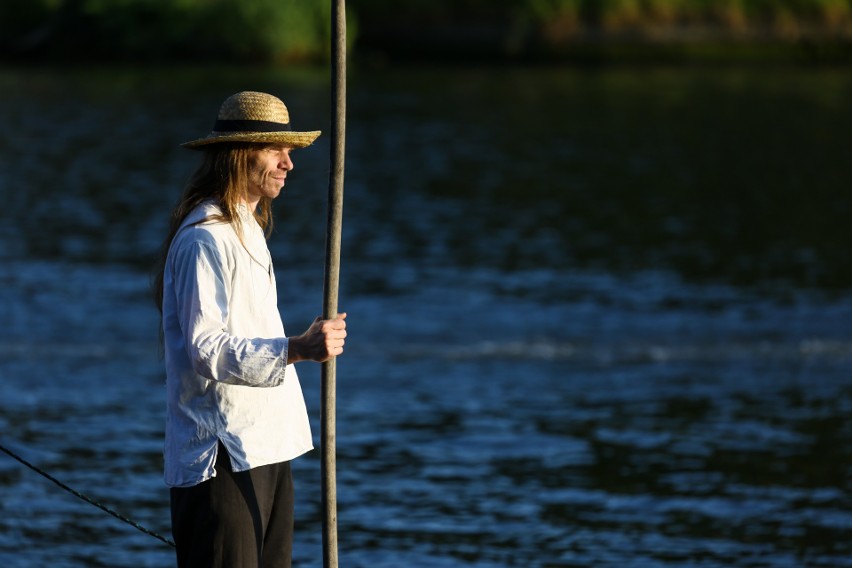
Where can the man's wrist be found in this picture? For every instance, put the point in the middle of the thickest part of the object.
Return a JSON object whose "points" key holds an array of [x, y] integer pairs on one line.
{"points": [[294, 349]]}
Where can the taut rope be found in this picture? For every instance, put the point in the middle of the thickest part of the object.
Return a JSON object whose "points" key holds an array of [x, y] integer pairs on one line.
{"points": [[85, 498]]}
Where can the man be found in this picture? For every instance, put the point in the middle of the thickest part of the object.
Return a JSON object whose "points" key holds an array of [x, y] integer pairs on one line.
{"points": [[235, 411]]}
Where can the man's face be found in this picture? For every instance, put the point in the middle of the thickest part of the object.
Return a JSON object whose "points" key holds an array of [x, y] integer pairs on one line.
{"points": [[267, 171]]}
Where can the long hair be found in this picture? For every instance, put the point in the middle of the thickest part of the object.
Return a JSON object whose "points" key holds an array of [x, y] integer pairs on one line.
{"points": [[222, 177]]}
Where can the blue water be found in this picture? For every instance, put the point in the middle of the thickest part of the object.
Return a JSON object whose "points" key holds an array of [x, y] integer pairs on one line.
{"points": [[574, 340]]}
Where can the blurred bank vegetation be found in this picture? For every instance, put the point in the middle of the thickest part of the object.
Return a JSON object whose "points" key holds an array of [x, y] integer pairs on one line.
{"points": [[270, 31]]}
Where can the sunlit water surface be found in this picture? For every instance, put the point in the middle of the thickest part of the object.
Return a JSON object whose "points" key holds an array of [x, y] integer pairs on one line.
{"points": [[596, 318]]}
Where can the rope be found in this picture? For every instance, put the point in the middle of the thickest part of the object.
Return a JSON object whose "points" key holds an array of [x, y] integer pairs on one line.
{"points": [[86, 499]]}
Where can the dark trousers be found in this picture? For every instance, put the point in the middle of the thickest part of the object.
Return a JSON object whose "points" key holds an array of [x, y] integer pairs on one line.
{"points": [[235, 520]]}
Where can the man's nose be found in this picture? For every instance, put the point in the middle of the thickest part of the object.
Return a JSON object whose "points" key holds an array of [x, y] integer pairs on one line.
{"points": [[285, 163]]}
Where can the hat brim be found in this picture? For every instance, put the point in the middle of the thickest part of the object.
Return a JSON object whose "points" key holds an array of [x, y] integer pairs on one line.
{"points": [[294, 139]]}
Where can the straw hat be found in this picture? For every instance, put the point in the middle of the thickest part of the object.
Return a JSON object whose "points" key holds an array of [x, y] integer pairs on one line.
{"points": [[250, 116]]}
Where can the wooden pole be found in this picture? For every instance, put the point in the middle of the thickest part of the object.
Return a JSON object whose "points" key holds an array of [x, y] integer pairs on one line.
{"points": [[332, 278]]}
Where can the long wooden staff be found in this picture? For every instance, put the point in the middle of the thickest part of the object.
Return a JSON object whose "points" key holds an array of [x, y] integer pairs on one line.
{"points": [[332, 278]]}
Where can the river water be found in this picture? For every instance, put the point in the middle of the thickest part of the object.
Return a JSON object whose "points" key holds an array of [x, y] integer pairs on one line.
{"points": [[597, 317]]}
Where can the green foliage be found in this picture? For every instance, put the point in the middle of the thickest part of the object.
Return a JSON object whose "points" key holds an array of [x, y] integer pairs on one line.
{"points": [[548, 9], [249, 30], [620, 14], [732, 13], [282, 30], [260, 29]]}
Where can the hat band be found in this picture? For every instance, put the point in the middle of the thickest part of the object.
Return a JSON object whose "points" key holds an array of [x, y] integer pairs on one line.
{"points": [[249, 126]]}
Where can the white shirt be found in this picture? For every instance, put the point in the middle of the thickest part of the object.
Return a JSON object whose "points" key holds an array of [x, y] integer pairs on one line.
{"points": [[227, 376]]}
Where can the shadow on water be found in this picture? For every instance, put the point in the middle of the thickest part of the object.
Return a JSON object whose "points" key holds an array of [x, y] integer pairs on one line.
{"points": [[716, 175], [598, 317], [722, 175]]}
